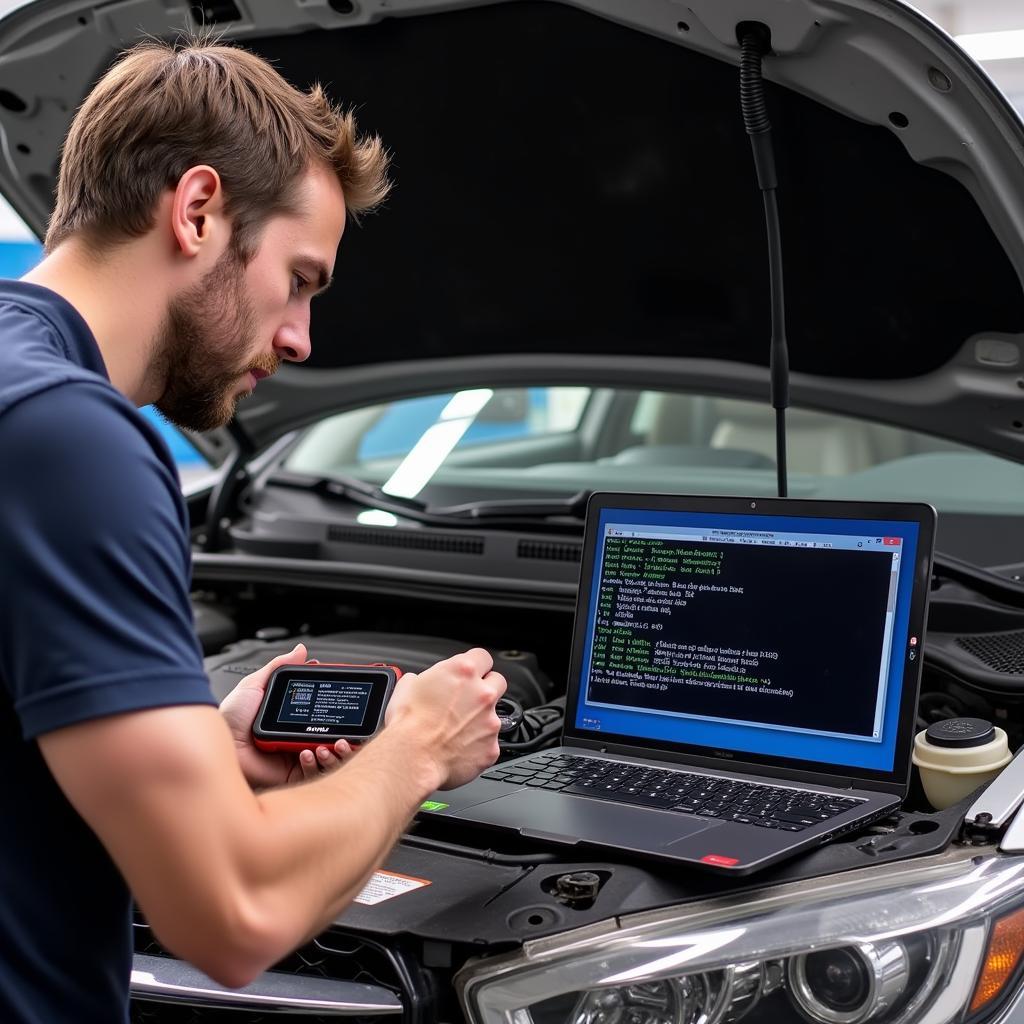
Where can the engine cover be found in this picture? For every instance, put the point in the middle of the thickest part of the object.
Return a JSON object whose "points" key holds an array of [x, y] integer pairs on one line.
{"points": [[526, 682]]}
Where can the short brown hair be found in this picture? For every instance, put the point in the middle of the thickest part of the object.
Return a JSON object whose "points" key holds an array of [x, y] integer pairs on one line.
{"points": [[165, 107]]}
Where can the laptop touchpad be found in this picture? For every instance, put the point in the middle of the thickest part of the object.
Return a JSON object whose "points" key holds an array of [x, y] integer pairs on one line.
{"points": [[596, 821]]}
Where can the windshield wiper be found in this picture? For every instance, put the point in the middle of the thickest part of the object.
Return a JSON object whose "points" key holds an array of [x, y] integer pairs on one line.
{"points": [[568, 515], [574, 507], [563, 514], [363, 493]]}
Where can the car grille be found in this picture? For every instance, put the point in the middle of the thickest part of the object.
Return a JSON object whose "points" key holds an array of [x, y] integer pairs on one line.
{"points": [[1003, 652], [335, 955], [550, 551], [422, 541]]}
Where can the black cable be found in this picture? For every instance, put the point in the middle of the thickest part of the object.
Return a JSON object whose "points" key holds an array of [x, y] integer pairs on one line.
{"points": [[489, 856], [754, 43], [752, 103], [780, 450], [536, 742], [540, 727]]}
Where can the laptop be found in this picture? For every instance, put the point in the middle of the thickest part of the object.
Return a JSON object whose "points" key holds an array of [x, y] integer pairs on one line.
{"points": [[743, 682]]}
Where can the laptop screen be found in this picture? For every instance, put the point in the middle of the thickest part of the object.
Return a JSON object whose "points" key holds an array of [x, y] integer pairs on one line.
{"points": [[776, 636]]}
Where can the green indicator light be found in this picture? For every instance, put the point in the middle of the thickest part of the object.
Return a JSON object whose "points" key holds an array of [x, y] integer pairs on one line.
{"points": [[432, 805]]}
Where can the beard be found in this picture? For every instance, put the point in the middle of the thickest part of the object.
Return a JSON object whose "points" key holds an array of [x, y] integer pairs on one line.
{"points": [[204, 349]]}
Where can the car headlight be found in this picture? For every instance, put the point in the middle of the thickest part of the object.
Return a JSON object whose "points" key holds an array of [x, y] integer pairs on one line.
{"points": [[915, 943]]}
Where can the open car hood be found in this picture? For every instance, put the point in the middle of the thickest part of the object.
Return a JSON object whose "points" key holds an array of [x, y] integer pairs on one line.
{"points": [[576, 199]]}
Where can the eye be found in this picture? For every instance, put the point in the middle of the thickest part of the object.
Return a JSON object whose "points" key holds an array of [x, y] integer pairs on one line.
{"points": [[298, 283]]}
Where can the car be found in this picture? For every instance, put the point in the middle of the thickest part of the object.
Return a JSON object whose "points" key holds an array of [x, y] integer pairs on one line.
{"points": [[569, 291]]}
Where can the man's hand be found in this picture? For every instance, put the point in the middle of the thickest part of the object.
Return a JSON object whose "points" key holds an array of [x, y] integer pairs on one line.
{"points": [[449, 712], [276, 867], [262, 769]]}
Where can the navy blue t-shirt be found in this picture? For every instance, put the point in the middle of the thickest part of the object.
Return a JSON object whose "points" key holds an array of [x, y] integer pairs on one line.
{"points": [[94, 620]]}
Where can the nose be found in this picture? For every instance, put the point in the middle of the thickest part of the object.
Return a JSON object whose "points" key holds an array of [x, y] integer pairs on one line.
{"points": [[291, 342]]}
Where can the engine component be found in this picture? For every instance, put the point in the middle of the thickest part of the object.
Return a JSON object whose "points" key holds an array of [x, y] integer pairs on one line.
{"points": [[527, 684]]}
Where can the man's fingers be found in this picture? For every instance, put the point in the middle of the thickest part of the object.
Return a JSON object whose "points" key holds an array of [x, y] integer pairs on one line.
{"points": [[476, 661], [258, 680], [498, 683], [307, 762], [314, 763], [329, 757], [297, 654]]}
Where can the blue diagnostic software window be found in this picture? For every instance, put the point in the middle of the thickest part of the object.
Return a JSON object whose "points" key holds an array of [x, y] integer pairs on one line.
{"points": [[775, 635]]}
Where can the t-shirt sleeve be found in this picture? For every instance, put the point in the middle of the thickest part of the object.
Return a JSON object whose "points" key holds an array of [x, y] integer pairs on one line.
{"points": [[95, 617]]}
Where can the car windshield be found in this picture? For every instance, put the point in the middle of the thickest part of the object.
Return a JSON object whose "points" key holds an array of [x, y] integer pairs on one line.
{"points": [[488, 443]]}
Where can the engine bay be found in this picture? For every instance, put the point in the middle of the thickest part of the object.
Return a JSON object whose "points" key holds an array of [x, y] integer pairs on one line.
{"points": [[445, 897], [974, 666]]}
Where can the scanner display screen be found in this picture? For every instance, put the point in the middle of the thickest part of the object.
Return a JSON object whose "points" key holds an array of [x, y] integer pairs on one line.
{"points": [[324, 702]]}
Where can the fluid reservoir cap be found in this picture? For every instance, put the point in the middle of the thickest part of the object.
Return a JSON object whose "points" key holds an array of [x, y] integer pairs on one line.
{"points": [[579, 886], [510, 715], [961, 732]]}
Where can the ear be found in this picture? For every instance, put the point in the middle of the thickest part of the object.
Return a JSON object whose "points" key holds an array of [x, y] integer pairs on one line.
{"points": [[197, 210]]}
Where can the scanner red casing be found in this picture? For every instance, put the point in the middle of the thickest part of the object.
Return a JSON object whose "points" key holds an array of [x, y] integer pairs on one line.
{"points": [[294, 746]]}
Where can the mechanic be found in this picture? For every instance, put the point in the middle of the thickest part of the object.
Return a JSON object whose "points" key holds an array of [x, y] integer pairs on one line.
{"points": [[200, 204]]}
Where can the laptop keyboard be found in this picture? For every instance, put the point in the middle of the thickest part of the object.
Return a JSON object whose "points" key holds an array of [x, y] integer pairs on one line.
{"points": [[708, 796]]}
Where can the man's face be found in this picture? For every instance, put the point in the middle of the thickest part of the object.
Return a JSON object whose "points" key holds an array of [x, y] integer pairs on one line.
{"points": [[239, 323]]}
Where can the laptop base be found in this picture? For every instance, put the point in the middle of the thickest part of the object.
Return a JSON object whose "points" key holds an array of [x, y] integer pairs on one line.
{"points": [[570, 820]]}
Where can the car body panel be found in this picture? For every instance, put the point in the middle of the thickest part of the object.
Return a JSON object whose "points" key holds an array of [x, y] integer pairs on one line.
{"points": [[663, 221], [596, 222]]}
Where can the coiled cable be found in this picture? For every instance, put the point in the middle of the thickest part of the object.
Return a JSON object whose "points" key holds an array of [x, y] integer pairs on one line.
{"points": [[754, 44]]}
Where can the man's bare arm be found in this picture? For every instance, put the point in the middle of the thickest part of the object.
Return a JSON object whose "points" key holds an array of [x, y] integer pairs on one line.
{"points": [[231, 880]]}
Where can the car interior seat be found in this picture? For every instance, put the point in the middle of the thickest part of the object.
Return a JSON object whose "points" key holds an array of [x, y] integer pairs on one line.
{"points": [[817, 443]]}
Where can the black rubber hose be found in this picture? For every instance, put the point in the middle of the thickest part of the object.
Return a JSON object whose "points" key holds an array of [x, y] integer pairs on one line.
{"points": [[782, 470], [780, 348], [755, 111], [753, 46], [488, 856]]}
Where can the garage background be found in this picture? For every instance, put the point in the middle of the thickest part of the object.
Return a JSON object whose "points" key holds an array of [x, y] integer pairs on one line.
{"points": [[992, 31]]}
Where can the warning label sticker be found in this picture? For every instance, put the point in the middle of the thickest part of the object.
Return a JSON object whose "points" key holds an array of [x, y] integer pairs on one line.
{"points": [[385, 885]]}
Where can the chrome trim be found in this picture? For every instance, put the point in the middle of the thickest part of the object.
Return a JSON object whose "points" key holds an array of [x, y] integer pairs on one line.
{"points": [[959, 982], [1013, 1012], [1013, 837], [997, 877], [1000, 798], [888, 971], [945, 959], [162, 979]]}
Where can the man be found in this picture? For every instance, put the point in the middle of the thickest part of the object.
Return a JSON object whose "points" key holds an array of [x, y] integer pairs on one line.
{"points": [[200, 204]]}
